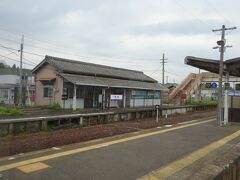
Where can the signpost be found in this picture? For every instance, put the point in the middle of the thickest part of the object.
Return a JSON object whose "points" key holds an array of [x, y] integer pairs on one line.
{"points": [[214, 85], [157, 110], [208, 85], [227, 86]]}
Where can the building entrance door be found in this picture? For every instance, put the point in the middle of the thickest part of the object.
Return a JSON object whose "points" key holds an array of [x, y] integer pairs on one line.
{"points": [[88, 97]]}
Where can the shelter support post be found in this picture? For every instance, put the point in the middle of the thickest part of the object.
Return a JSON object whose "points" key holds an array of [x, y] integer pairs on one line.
{"points": [[93, 97], [103, 98], [124, 98], [74, 97]]}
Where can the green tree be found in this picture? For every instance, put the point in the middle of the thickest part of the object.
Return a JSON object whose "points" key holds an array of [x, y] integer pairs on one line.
{"points": [[2, 65]]}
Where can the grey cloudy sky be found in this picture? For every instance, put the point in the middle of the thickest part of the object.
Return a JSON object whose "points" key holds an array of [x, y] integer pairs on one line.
{"points": [[128, 33]]}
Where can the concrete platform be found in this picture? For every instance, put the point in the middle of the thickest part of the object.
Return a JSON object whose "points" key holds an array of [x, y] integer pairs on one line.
{"points": [[195, 148]]}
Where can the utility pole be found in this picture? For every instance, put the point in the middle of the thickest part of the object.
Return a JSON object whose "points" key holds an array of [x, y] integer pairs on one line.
{"points": [[20, 83], [221, 46], [163, 61]]}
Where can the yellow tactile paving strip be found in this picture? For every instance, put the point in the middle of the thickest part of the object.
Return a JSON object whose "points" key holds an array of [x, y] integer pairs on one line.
{"points": [[33, 167], [96, 146], [178, 165]]}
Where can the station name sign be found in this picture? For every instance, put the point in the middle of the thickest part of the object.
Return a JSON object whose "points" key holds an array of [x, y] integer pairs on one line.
{"points": [[116, 97]]}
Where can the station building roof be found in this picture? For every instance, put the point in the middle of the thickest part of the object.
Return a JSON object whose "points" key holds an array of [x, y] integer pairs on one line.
{"points": [[84, 68], [83, 73], [110, 82]]}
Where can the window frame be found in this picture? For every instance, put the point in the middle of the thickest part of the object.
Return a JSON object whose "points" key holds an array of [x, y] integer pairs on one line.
{"points": [[49, 92]]}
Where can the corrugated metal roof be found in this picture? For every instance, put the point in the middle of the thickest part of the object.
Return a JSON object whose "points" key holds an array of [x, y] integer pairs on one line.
{"points": [[78, 67], [168, 85], [110, 82], [230, 65]]}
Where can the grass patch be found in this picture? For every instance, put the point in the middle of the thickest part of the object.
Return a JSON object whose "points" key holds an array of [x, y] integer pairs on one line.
{"points": [[9, 111], [54, 106], [203, 102]]}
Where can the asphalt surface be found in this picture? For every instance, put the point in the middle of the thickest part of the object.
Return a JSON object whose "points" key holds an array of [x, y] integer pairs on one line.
{"points": [[126, 160]]}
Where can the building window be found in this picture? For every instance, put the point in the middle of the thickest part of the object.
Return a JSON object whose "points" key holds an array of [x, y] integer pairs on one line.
{"points": [[136, 94], [24, 77], [48, 92], [4, 93]]}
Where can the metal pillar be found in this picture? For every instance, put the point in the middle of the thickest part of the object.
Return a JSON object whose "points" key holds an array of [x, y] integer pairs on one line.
{"points": [[226, 101], [9, 96], [221, 46], [20, 74], [157, 113]]}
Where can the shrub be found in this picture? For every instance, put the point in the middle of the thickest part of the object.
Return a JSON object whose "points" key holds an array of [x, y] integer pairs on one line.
{"points": [[203, 102], [55, 106], [10, 111]]}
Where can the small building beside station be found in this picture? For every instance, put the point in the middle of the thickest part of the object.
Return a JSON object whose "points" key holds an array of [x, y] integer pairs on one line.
{"points": [[75, 84], [10, 83]]}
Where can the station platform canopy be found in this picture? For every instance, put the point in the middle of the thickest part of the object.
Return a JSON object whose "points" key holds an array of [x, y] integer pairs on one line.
{"points": [[231, 65]]}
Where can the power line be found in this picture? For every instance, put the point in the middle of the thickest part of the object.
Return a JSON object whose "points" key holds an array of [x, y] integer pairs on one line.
{"points": [[8, 48], [174, 74], [26, 52], [11, 59], [12, 52], [190, 13], [89, 57], [72, 54], [9, 40], [209, 5], [8, 54], [81, 56], [14, 49], [101, 59], [154, 71]]}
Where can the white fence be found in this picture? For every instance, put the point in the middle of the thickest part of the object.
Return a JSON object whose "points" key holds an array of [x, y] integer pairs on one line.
{"points": [[144, 102]]}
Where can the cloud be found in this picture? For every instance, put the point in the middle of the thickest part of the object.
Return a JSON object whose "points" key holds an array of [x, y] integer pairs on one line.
{"points": [[129, 33]]}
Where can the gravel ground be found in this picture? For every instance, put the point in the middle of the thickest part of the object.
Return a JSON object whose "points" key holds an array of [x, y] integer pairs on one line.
{"points": [[31, 142]]}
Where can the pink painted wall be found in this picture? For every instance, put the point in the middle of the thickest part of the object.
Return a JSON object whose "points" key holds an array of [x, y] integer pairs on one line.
{"points": [[48, 72]]}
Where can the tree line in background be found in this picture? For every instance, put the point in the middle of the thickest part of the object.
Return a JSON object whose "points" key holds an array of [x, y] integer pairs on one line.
{"points": [[4, 65]]}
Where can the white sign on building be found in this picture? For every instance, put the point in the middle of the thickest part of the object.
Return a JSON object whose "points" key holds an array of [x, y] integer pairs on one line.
{"points": [[116, 97]]}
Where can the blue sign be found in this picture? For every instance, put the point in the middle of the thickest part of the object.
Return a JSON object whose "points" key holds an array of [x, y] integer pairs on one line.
{"points": [[214, 85]]}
